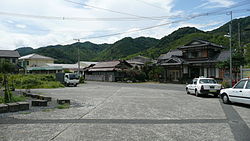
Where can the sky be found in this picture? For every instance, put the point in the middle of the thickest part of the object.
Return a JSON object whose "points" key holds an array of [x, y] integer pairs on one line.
{"points": [[39, 23]]}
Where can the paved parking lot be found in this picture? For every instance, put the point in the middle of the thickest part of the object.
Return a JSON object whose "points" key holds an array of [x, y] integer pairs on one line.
{"points": [[118, 111]]}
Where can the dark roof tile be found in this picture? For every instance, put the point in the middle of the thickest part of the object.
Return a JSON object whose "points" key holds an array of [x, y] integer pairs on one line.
{"points": [[9, 53]]}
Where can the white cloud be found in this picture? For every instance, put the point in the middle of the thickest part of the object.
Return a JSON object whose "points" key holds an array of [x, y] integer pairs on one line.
{"points": [[18, 31], [216, 4], [20, 25]]}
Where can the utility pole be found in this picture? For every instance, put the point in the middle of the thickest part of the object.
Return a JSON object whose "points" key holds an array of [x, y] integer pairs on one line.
{"points": [[239, 37], [230, 44], [78, 56]]}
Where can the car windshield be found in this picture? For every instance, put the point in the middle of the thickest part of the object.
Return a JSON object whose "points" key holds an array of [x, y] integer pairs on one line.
{"points": [[207, 81], [73, 76]]}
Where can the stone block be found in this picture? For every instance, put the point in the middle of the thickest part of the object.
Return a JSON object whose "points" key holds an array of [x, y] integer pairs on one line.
{"points": [[25, 94], [23, 106], [34, 96], [3, 108], [39, 103], [63, 101], [45, 98], [13, 107]]}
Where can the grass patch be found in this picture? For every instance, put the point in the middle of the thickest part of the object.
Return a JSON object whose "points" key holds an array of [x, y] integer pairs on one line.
{"points": [[18, 98], [63, 106], [33, 81], [14, 99], [47, 110]]}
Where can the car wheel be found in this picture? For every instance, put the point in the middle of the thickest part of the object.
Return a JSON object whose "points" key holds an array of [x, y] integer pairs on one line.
{"points": [[225, 99], [196, 93], [187, 91]]}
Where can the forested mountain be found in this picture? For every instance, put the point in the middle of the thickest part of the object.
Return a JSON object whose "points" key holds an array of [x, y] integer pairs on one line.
{"points": [[129, 47], [125, 47]]}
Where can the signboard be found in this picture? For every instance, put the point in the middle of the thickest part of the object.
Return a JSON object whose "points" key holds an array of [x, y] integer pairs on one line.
{"points": [[246, 73]]}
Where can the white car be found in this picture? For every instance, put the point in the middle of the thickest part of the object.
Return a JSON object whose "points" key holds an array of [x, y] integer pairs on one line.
{"points": [[240, 92], [203, 86]]}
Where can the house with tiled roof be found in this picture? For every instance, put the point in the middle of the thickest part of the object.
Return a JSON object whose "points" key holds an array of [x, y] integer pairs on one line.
{"points": [[110, 71], [9, 55], [139, 61], [197, 58]]}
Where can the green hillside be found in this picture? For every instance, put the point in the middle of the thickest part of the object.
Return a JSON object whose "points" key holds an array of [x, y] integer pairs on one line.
{"points": [[150, 47], [125, 47]]}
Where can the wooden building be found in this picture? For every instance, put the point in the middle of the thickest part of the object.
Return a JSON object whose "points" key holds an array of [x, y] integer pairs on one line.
{"points": [[197, 58], [9, 55], [107, 71]]}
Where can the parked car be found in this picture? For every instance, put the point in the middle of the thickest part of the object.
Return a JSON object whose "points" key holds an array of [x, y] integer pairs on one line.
{"points": [[203, 86], [239, 93]]}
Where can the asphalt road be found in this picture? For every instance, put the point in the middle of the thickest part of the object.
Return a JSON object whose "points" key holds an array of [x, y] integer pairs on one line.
{"points": [[119, 111]]}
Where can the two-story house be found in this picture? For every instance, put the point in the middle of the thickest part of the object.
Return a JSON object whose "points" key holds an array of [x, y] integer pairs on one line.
{"points": [[197, 58], [35, 63]]}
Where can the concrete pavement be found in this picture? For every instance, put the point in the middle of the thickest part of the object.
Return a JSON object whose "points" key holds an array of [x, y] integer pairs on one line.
{"points": [[118, 111]]}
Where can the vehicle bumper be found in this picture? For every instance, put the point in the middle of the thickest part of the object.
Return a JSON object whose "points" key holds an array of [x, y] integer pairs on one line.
{"points": [[209, 91]]}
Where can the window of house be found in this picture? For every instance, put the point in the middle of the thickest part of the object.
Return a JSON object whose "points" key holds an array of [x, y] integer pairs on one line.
{"points": [[27, 63], [211, 72], [14, 60], [194, 54]]}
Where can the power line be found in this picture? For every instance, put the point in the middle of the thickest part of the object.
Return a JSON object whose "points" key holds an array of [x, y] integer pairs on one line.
{"points": [[152, 5], [136, 18], [185, 18], [159, 25], [86, 19], [105, 9]]}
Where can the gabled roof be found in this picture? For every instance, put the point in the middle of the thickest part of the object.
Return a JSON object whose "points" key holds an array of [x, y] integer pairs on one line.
{"points": [[172, 61], [36, 56], [170, 54], [200, 43], [141, 59], [108, 66], [223, 56], [9, 53], [135, 62], [85, 64]]}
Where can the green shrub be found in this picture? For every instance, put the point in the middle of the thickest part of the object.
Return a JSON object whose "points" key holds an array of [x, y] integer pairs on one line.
{"points": [[51, 84], [18, 98], [81, 80], [32, 81], [1, 99], [225, 84]]}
